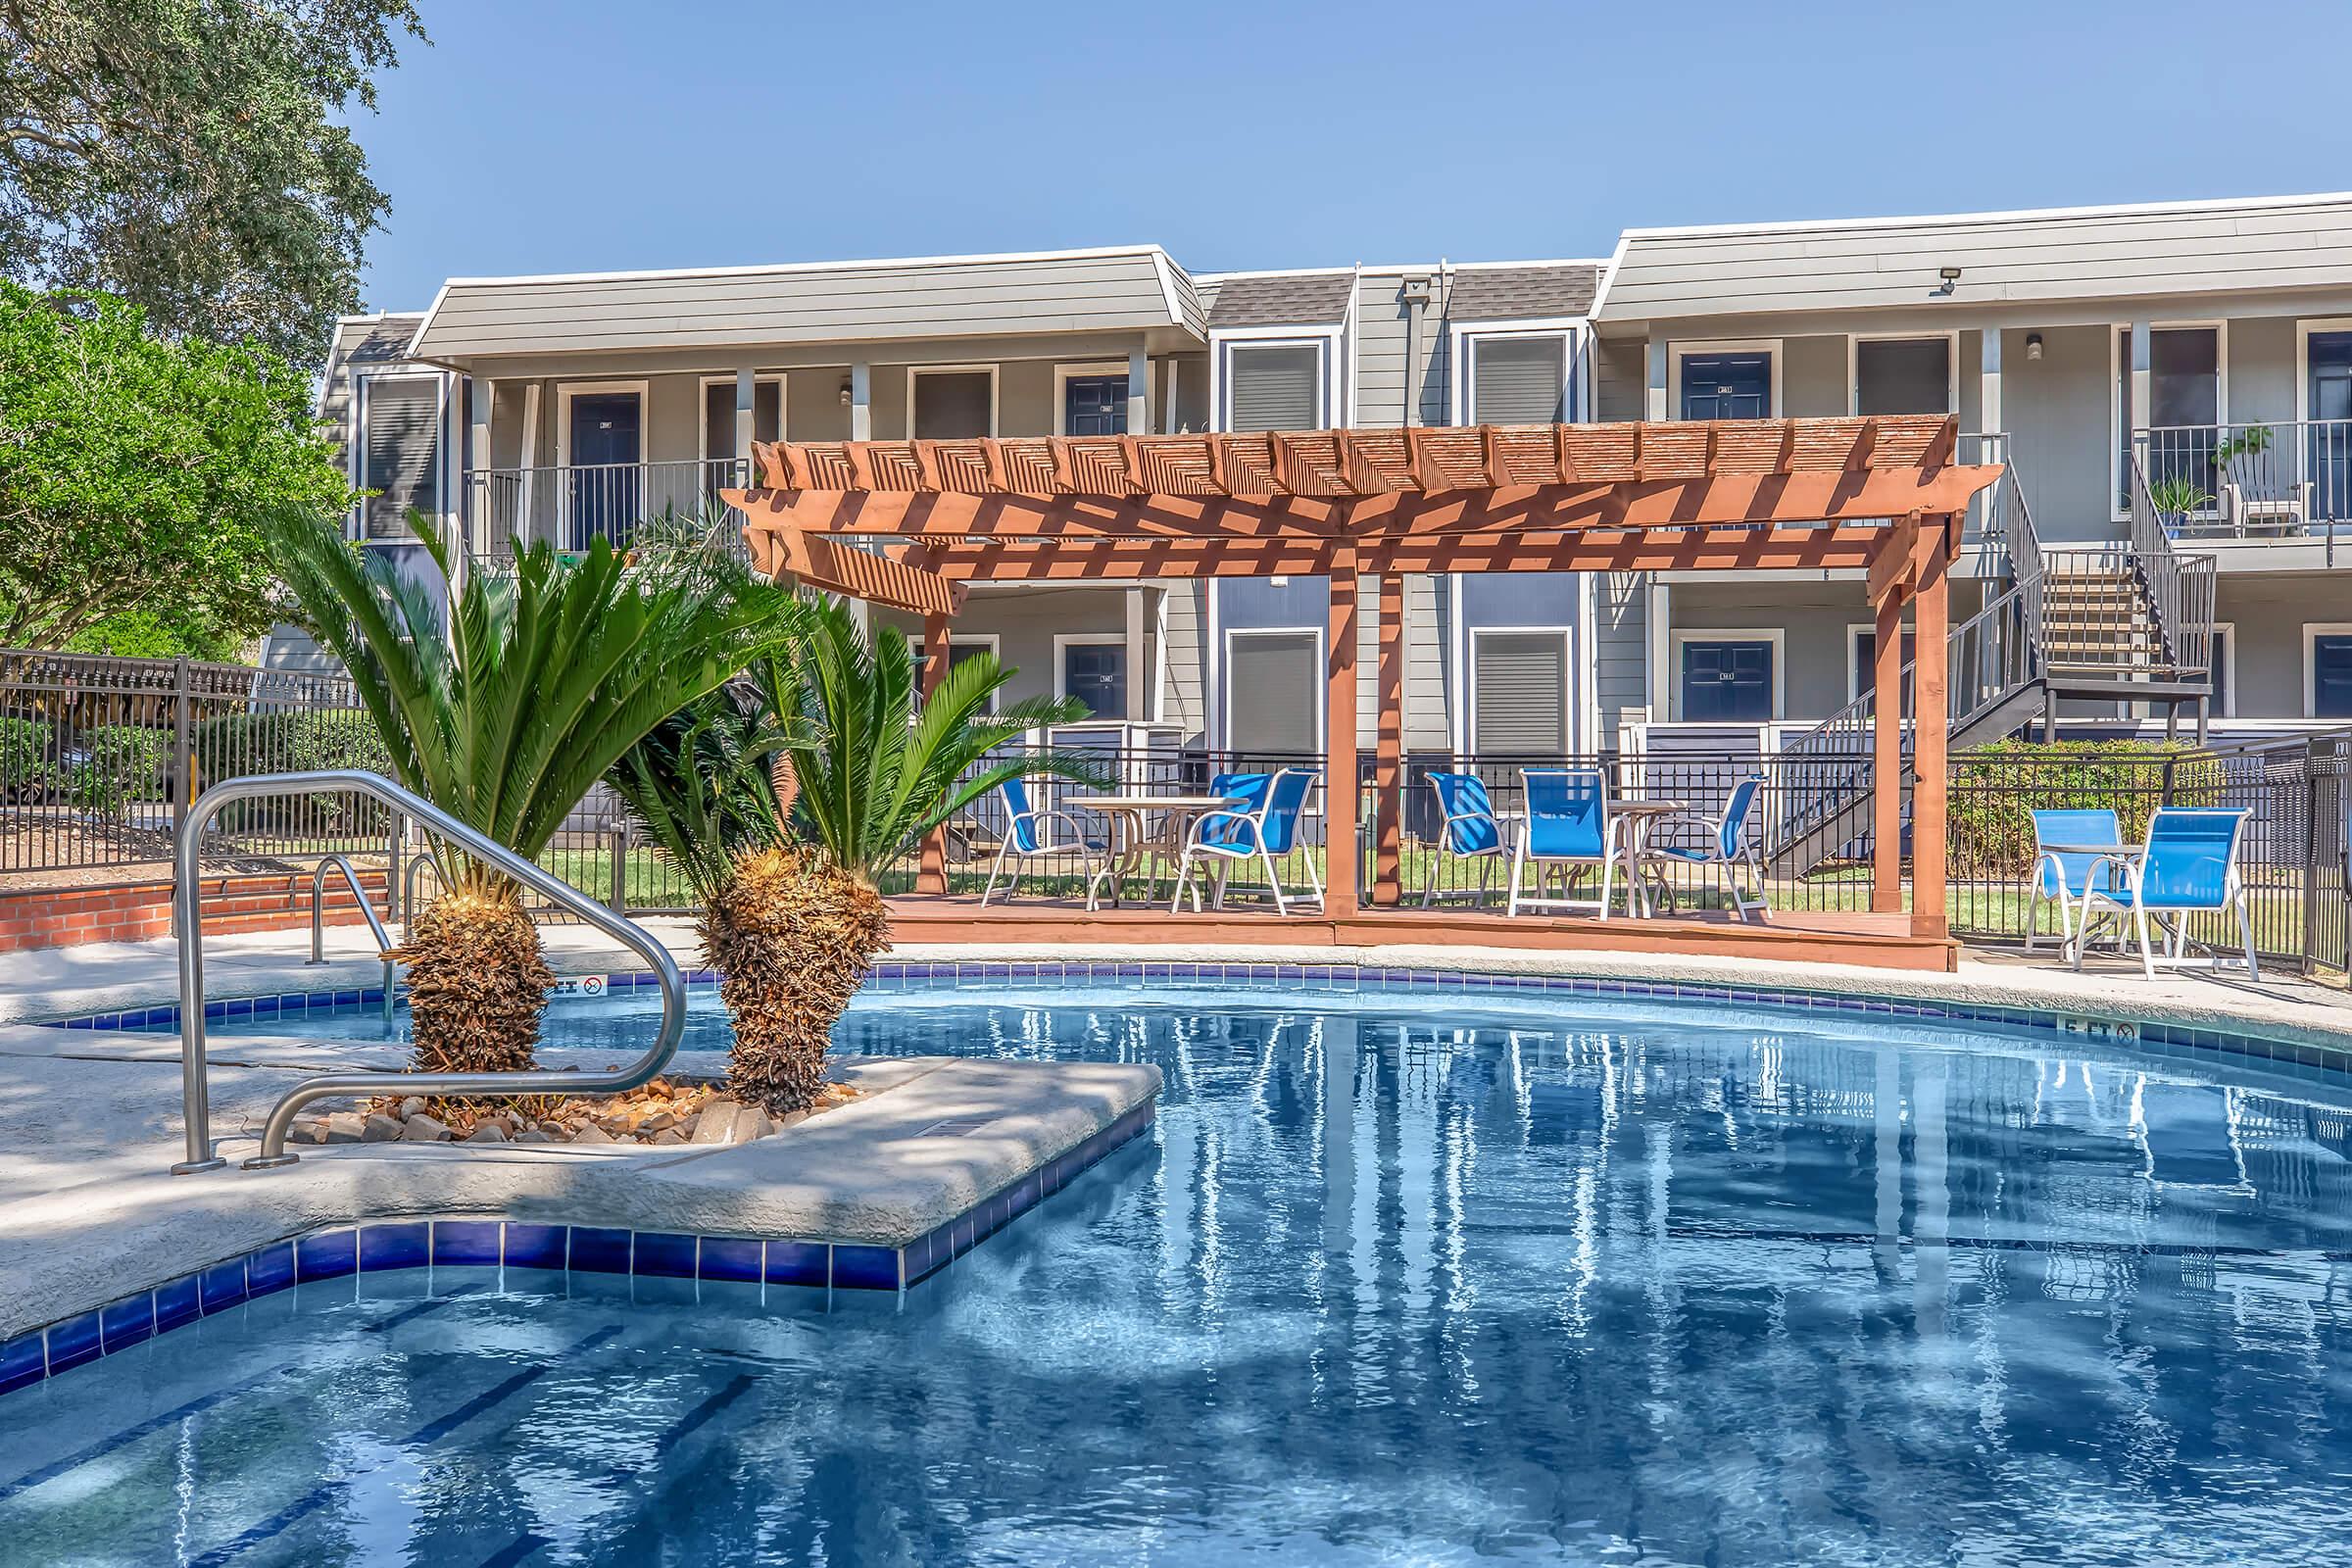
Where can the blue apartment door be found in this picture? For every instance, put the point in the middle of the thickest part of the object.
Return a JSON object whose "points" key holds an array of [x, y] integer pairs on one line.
{"points": [[1094, 404], [2331, 676], [1727, 386], [1726, 682], [603, 449], [2330, 463]]}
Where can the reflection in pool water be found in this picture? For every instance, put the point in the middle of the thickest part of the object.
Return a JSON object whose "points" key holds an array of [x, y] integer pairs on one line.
{"points": [[1397, 1279]]}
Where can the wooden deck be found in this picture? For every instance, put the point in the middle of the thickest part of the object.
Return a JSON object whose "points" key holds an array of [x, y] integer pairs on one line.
{"points": [[1865, 941]]}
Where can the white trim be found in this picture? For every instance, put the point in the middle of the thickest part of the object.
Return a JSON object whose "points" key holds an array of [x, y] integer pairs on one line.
{"points": [[865, 264], [1322, 668], [2117, 432], [2117, 210], [993, 642], [1382, 269], [1328, 342], [2303, 331], [1676, 349], [1952, 364], [1856, 631], [703, 412], [2228, 630], [1351, 341], [915, 373], [1089, 639], [566, 391], [1165, 266], [1462, 343], [1121, 369], [1568, 680], [2313, 631], [1775, 635]]}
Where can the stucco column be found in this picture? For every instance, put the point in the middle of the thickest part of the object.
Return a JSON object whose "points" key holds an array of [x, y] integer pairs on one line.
{"points": [[1988, 377], [470, 529], [1138, 392], [1655, 408], [1139, 699], [861, 402], [747, 395]]}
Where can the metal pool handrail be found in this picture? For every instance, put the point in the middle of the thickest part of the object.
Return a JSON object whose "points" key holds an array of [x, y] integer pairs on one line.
{"points": [[351, 878], [195, 1089]]}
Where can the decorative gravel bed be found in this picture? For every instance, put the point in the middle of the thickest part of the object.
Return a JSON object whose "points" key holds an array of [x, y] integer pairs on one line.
{"points": [[665, 1112]]}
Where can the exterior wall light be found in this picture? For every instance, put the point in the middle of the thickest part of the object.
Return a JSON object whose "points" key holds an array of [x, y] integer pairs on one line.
{"points": [[2032, 345]]}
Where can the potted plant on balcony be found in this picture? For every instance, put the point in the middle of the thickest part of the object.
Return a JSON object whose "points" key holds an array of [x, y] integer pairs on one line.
{"points": [[2176, 498]]}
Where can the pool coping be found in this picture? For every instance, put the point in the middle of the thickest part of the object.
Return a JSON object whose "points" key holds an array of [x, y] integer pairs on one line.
{"points": [[337, 1251]]}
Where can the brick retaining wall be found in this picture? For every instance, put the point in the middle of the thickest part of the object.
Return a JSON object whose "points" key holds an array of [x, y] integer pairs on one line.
{"points": [[60, 917]]}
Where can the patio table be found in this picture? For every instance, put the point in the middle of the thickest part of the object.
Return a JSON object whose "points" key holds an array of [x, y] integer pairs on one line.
{"points": [[2125, 856], [1131, 836], [1641, 816]]}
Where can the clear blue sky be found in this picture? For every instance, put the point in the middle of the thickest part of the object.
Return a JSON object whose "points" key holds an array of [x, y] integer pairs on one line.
{"points": [[589, 135]]}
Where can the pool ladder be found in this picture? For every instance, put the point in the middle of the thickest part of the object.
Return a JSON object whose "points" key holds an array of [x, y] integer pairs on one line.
{"points": [[449, 834]]}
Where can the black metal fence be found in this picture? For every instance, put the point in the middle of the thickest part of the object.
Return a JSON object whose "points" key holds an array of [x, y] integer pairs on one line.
{"points": [[99, 757]]}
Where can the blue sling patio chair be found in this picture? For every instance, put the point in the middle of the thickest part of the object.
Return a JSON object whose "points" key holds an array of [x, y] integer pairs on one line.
{"points": [[1263, 829], [1726, 846], [1471, 831], [1568, 828], [2187, 867], [2066, 876], [1028, 837]]}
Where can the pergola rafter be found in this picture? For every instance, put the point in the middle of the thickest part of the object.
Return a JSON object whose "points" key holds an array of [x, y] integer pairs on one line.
{"points": [[910, 523]]}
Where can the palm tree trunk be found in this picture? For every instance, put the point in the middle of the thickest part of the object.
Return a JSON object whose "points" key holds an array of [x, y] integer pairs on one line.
{"points": [[792, 938], [478, 978]]}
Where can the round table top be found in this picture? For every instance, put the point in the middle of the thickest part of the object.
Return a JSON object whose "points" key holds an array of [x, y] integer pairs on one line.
{"points": [[1648, 807], [1151, 803]]}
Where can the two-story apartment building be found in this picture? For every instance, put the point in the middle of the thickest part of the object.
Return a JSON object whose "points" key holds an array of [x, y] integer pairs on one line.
{"points": [[2179, 375]]}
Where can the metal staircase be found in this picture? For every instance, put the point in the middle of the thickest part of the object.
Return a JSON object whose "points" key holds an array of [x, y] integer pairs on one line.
{"points": [[2130, 621]]}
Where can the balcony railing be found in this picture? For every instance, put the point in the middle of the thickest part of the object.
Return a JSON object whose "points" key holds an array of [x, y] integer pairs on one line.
{"points": [[2273, 480], [567, 504]]}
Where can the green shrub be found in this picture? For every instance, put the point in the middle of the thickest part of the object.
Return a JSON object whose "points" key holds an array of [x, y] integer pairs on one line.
{"points": [[27, 767], [1996, 788], [114, 764]]}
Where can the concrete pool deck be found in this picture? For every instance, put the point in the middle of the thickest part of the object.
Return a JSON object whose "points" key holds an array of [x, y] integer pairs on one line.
{"points": [[89, 1121]]}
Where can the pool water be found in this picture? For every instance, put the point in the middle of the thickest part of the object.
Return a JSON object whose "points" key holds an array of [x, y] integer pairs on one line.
{"points": [[1397, 1279]]}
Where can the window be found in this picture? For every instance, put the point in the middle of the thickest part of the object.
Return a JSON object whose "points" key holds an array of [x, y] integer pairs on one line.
{"points": [[2184, 411], [1095, 672], [1274, 694], [719, 414], [1274, 387], [1903, 375], [2327, 658], [951, 405], [1094, 404], [399, 456], [1726, 680], [1518, 380], [1861, 676], [960, 649], [1519, 692], [1734, 384]]}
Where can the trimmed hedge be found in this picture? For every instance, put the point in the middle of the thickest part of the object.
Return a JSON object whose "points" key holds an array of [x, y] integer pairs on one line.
{"points": [[114, 764], [1996, 788]]}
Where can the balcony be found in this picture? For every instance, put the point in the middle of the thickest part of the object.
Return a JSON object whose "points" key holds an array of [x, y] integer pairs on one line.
{"points": [[2275, 481], [569, 505]]}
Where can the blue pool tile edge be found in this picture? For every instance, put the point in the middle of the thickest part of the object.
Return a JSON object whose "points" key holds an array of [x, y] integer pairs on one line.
{"points": [[343, 1250]]}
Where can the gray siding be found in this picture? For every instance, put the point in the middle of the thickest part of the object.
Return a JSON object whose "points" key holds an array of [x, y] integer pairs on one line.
{"points": [[801, 305], [1182, 703], [1621, 648], [2268, 614], [2046, 256], [2261, 369], [2059, 413], [1428, 716], [1384, 380], [1620, 380], [1813, 378]]}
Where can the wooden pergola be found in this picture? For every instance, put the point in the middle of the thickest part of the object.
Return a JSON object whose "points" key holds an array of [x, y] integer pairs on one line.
{"points": [[907, 524]]}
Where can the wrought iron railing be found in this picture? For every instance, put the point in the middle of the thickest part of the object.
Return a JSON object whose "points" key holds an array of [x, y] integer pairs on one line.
{"points": [[2251, 479], [2180, 586], [570, 504]]}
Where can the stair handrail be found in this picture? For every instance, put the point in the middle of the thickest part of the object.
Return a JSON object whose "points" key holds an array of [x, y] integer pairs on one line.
{"points": [[375, 926], [186, 908], [2180, 586]]}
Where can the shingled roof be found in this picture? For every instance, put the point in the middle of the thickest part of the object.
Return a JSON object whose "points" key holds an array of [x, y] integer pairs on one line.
{"points": [[1523, 293], [1285, 299]]}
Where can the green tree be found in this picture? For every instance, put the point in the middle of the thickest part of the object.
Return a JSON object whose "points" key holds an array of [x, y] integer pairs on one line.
{"points": [[191, 156], [136, 473], [795, 925], [504, 714]]}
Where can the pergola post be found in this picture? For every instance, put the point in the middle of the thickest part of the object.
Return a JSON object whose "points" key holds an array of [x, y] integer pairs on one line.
{"points": [[1886, 758], [1339, 875], [1930, 718], [1388, 753], [931, 874]]}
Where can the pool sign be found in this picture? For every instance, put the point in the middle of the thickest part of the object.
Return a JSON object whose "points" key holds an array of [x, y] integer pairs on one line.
{"points": [[586, 985], [2117, 1029]]}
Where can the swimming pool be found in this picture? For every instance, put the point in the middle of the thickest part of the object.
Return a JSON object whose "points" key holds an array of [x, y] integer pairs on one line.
{"points": [[1397, 1278]]}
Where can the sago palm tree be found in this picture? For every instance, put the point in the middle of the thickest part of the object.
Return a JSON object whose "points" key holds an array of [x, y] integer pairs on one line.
{"points": [[504, 712], [793, 922]]}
